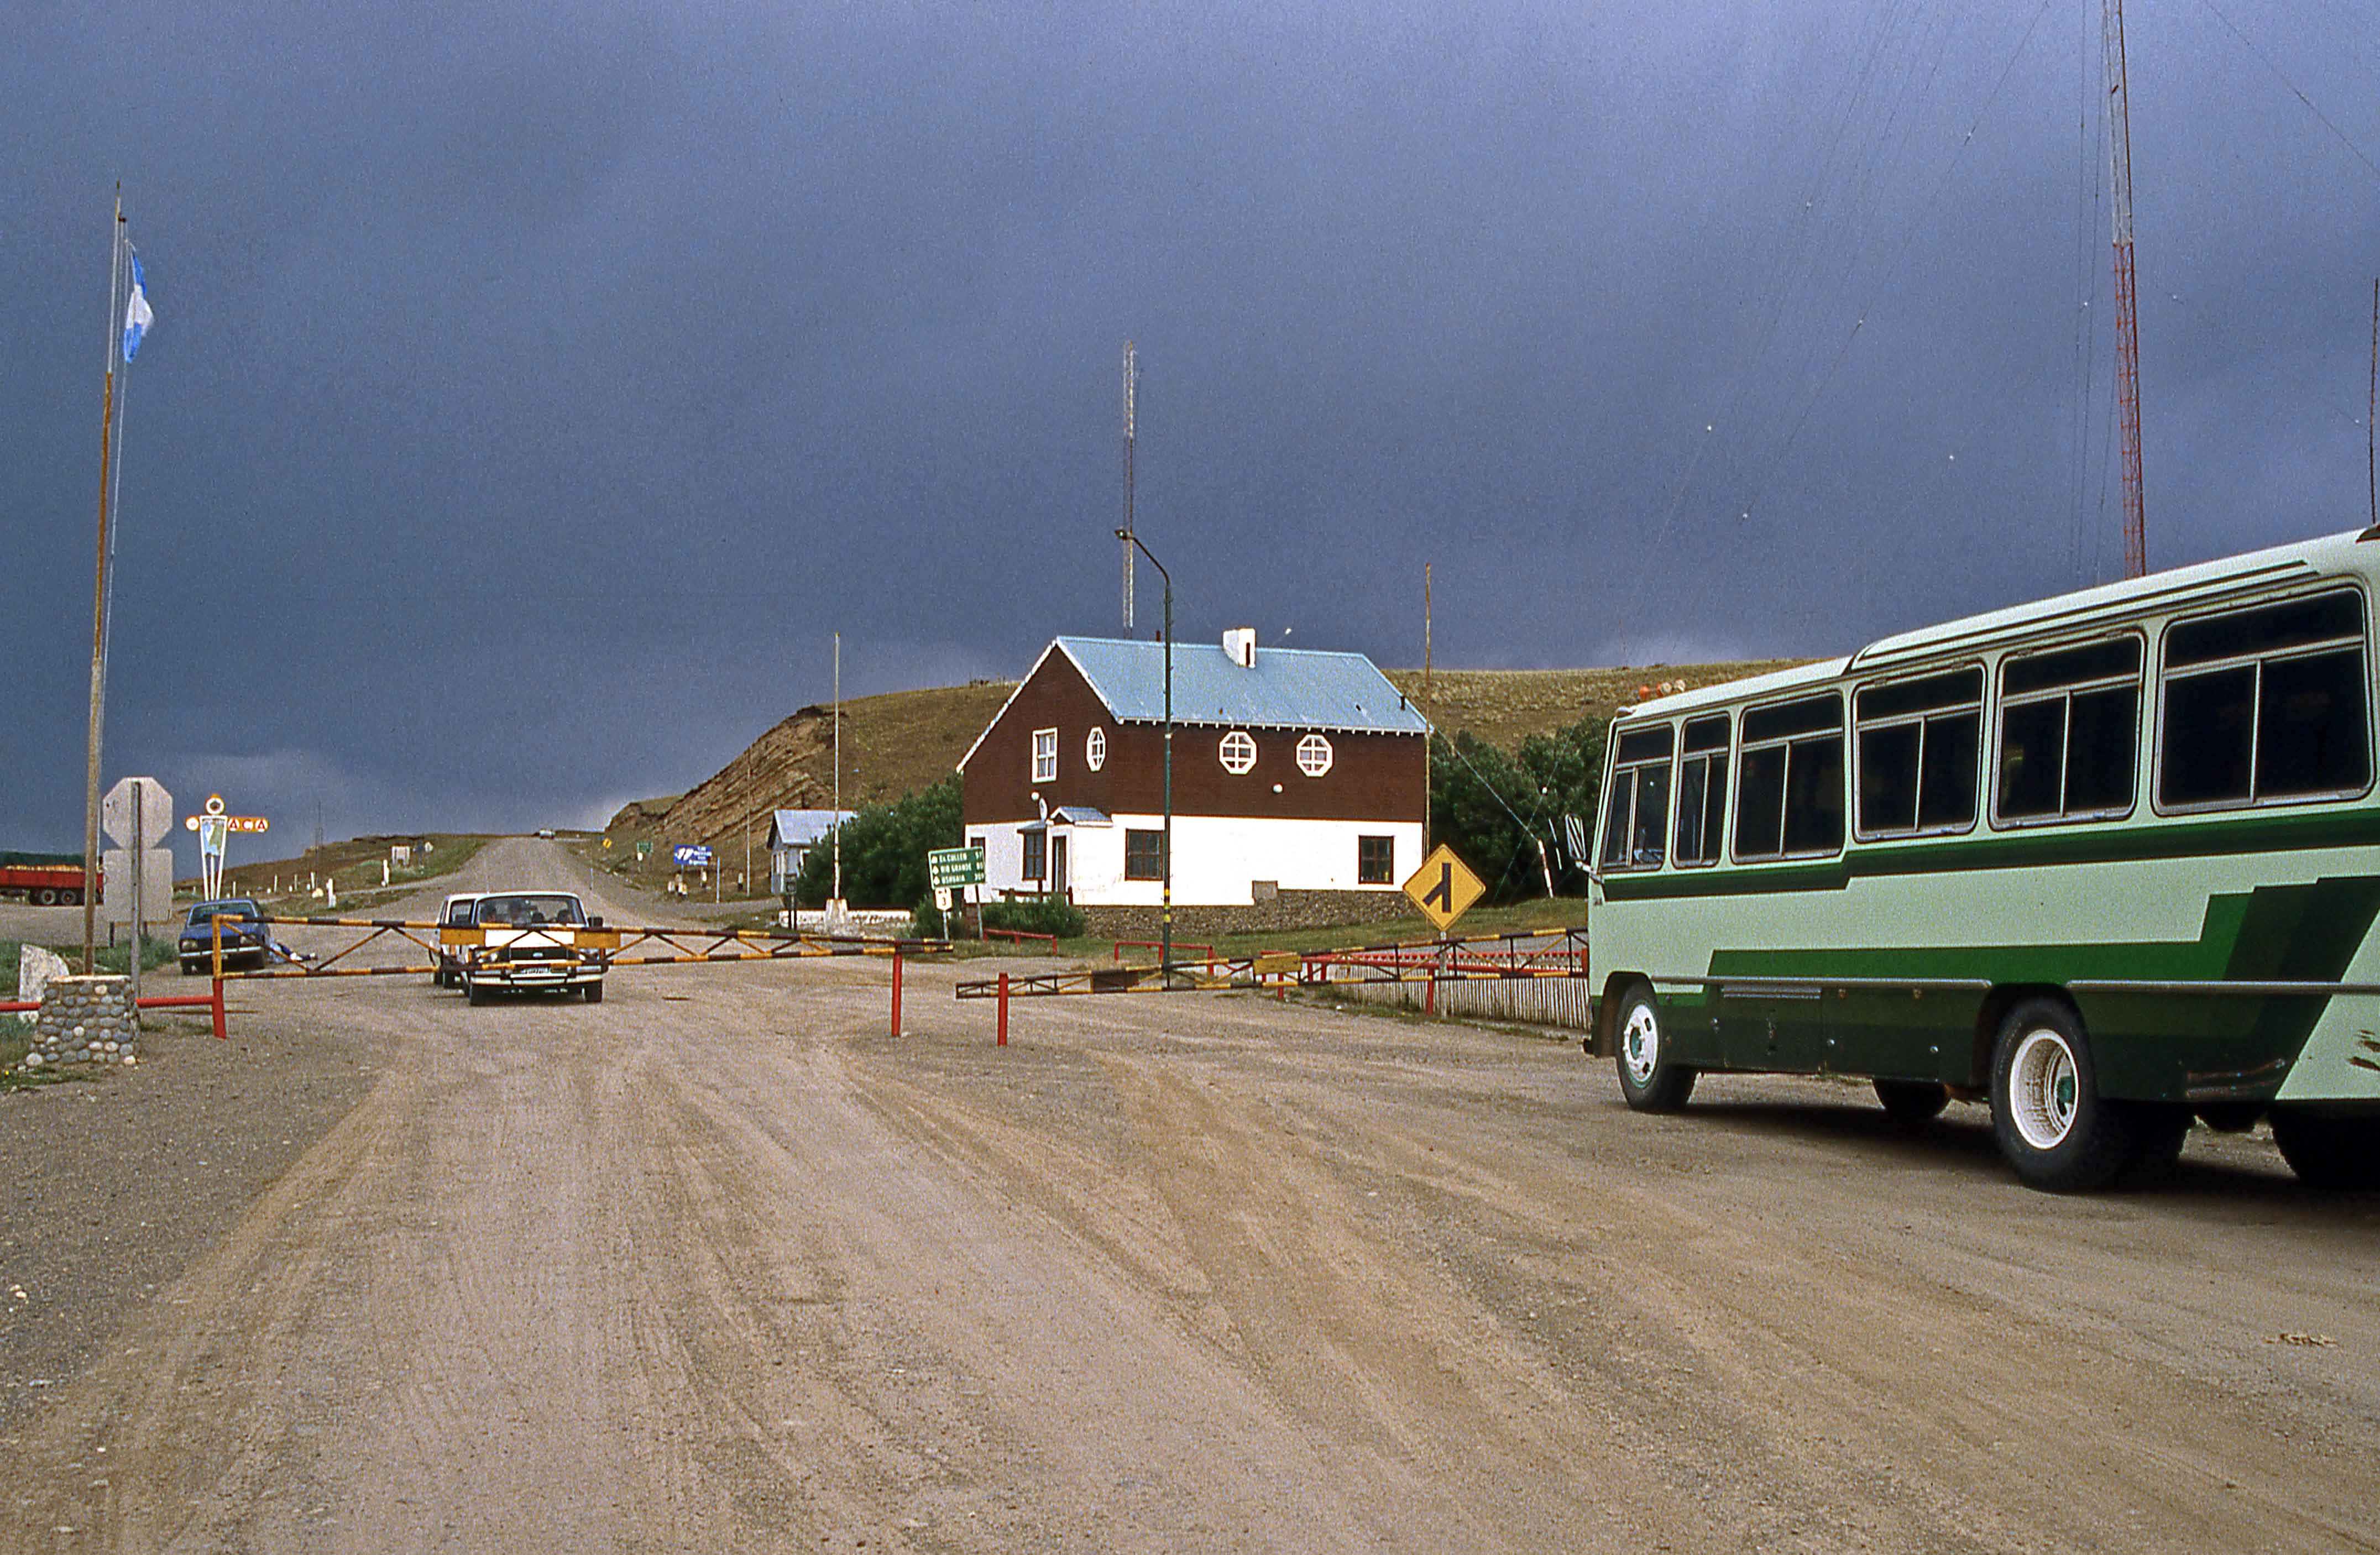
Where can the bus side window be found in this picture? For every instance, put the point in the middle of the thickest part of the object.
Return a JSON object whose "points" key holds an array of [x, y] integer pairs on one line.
{"points": [[2265, 704], [1788, 798], [1636, 821], [2070, 732], [1701, 789], [1918, 754]]}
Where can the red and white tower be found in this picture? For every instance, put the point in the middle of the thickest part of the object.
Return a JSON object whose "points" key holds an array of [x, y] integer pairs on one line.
{"points": [[2128, 328]]}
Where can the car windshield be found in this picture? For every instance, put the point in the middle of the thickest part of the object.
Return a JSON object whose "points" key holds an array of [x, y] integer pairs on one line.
{"points": [[241, 911], [527, 912]]}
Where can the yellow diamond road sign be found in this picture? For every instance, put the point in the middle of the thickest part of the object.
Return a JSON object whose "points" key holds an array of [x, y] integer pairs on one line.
{"points": [[1443, 888]]}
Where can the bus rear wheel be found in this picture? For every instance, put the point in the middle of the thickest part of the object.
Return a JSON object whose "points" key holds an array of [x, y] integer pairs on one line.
{"points": [[2335, 1153], [1650, 1080], [2053, 1125]]}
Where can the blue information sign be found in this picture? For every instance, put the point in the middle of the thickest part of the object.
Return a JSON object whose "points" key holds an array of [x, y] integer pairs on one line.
{"points": [[692, 856]]}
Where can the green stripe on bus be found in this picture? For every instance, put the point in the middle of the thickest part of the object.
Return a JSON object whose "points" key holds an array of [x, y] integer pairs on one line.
{"points": [[2275, 934]]}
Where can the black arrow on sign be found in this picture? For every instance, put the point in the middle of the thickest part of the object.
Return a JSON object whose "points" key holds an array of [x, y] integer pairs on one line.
{"points": [[1443, 892]]}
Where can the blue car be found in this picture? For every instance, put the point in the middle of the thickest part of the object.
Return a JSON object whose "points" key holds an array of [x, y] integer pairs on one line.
{"points": [[245, 941]]}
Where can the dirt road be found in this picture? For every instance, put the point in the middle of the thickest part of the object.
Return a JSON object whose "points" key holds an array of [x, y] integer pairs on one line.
{"points": [[721, 1265]]}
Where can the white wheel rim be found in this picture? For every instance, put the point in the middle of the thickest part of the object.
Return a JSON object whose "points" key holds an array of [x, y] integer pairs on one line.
{"points": [[2045, 1084], [1640, 1043]]}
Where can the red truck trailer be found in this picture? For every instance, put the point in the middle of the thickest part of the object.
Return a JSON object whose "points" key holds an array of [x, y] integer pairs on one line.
{"points": [[43, 879]]}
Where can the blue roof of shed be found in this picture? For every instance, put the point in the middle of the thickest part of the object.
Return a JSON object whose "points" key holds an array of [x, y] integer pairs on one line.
{"points": [[801, 828], [1288, 688]]}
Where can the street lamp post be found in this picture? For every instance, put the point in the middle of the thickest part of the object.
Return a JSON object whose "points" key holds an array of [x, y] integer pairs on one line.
{"points": [[1165, 923]]}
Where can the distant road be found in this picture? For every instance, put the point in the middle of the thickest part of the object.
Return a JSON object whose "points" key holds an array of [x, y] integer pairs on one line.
{"points": [[537, 863]]}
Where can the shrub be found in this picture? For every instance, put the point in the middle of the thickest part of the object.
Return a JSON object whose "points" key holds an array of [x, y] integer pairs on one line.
{"points": [[1041, 915], [1476, 790], [884, 849]]}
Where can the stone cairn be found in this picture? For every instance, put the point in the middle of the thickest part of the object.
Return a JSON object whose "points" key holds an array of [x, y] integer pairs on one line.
{"points": [[86, 1020]]}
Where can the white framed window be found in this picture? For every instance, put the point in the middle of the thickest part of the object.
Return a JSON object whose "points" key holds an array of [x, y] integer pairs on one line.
{"points": [[1095, 749], [1045, 755], [1237, 753], [1313, 756]]}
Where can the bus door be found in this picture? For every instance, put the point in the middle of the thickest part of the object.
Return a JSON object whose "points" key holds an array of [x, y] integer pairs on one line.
{"points": [[1770, 1025]]}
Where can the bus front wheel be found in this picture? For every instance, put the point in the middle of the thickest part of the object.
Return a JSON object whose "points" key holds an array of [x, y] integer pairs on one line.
{"points": [[1650, 1080], [2053, 1125]]}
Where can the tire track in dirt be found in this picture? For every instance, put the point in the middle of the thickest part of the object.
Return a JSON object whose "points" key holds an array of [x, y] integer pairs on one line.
{"points": [[186, 1433]]}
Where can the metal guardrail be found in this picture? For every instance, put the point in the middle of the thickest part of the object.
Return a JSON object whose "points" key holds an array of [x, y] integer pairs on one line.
{"points": [[685, 946], [1542, 953], [606, 945]]}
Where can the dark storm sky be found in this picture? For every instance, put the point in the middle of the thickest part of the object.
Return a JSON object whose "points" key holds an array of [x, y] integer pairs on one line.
{"points": [[535, 389]]}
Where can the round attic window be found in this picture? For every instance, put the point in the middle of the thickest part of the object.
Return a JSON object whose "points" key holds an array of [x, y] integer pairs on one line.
{"points": [[1313, 756], [1095, 749], [1237, 753]]}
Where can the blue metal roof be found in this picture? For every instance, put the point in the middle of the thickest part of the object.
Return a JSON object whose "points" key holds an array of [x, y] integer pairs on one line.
{"points": [[801, 828], [1288, 688]]}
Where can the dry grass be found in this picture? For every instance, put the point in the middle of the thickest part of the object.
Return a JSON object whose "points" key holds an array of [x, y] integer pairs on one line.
{"points": [[1505, 706], [353, 862], [892, 745]]}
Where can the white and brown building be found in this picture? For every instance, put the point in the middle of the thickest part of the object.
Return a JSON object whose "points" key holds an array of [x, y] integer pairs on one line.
{"points": [[1296, 774]]}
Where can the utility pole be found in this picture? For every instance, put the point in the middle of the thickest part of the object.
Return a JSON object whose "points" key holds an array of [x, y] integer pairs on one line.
{"points": [[91, 881], [1431, 735], [1165, 838], [2128, 327], [1131, 386], [838, 774]]}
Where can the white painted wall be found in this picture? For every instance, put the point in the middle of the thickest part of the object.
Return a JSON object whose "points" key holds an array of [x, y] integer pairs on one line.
{"points": [[1215, 858]]}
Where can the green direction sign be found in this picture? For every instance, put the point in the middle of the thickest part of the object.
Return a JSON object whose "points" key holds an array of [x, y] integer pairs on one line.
{"points": [[954, 866]]}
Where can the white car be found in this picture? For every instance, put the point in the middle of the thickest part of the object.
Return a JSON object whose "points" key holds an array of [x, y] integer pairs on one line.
{"points": [[527, 941], [456, 914]]}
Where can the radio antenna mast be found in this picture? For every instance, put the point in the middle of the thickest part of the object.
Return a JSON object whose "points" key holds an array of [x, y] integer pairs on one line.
{"points": [[1131, 385], [2128, 328]]}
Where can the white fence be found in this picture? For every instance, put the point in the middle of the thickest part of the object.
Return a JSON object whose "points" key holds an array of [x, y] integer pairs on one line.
{"points": [[1538, 1000]]}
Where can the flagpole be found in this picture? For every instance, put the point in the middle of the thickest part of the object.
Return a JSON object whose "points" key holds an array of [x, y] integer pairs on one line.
{"points": [[91, 870]]}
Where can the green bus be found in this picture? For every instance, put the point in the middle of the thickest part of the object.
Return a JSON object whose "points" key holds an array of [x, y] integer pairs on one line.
{"points": [[2110, 860]]}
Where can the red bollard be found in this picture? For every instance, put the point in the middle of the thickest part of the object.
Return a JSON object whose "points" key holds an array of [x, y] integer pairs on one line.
{"points": [[1004, 1011], [222, 1031], [896, 991]]}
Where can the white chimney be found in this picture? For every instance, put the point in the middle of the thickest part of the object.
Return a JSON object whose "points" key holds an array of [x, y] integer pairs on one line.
{"points": [[1240, 647]]}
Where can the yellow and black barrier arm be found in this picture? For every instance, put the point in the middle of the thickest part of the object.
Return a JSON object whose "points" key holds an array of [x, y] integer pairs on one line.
{"points": [[684, 946]]}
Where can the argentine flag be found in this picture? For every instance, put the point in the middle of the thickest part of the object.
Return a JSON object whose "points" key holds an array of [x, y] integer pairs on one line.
{"points": [[137, 315]]}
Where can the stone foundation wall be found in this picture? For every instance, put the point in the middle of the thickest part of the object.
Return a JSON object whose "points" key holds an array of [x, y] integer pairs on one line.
{"points": [[1288, 909], [85, 1020]]}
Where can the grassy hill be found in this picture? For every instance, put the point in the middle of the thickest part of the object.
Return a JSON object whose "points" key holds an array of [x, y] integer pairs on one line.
{"points": [[1505, 706], [906, 740], [353, 862]]}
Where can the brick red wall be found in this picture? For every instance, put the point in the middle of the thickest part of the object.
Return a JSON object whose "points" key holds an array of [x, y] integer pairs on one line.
{"points": [[1372, 777]]}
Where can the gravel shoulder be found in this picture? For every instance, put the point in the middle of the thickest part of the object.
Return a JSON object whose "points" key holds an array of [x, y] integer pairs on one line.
{"points": [[720, 1264]]}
